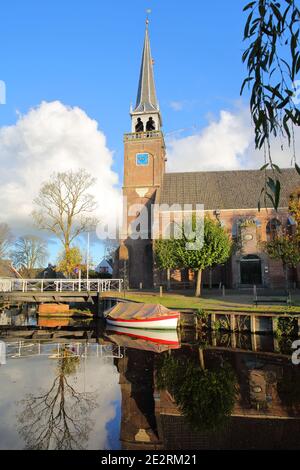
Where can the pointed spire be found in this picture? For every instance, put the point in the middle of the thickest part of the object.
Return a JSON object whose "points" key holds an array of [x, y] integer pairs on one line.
{"points": [[146, 97]]}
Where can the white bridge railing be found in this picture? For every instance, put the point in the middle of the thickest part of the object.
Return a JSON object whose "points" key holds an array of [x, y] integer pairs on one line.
{"points": [[60, 285]]}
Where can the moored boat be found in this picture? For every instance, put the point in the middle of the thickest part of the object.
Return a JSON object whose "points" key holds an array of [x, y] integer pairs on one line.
{"points": [[143, 316]]}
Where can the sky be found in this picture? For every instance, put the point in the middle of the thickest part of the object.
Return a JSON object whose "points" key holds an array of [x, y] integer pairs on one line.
{"points": [[71, 70]]}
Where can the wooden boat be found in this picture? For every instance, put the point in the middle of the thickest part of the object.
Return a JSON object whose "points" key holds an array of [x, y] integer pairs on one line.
{"points": [[142, 316], [146, 340]]}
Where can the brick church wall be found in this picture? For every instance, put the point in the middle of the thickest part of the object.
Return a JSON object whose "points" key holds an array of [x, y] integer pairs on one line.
{"points": [[248, 240]]}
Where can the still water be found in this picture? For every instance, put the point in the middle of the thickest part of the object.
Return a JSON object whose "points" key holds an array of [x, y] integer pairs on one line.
{"points": [[75, 385]]}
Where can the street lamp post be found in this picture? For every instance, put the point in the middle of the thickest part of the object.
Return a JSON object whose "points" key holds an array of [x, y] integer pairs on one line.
{"points": [[88, 257]]}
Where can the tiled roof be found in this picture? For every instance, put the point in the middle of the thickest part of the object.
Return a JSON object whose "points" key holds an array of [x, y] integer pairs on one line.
{"points": [[239, 189]]}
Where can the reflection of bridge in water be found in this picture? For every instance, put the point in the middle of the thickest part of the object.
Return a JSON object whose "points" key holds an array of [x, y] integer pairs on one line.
{"points": [[266, 345], [24, 349]]}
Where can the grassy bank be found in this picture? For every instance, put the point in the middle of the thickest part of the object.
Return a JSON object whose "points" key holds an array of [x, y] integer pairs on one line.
{"points": [[240, 303]]}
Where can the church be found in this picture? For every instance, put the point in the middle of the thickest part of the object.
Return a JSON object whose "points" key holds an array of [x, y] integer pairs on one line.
{"points": [[229, 197]]}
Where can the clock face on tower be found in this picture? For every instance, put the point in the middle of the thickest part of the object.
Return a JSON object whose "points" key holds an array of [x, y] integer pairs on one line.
{"points": [[142, 159]]}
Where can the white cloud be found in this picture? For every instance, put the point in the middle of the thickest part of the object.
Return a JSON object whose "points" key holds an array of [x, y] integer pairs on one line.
{"points": [[177, 105], [52, 137], [226, 143]]}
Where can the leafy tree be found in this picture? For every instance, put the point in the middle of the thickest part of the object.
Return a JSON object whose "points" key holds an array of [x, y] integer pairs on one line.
{"points": [[69, 261], [272, 57], [216, 249], [205, 396], [65, 207], [285, 246], [29, 252], [165, 257], [5, 239], [294, 209]]}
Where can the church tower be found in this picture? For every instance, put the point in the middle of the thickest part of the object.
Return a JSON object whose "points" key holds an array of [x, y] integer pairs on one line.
{"points": [[144, 167]]}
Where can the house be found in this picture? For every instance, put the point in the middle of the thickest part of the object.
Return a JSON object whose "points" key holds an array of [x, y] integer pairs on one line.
{"points": [[104, 267], [50, 273]]}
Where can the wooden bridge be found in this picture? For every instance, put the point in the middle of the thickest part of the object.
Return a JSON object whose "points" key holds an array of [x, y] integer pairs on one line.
{"points": [[56, 290]]}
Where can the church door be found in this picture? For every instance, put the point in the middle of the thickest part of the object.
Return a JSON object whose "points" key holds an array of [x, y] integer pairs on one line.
{"points": [[251, 272]]}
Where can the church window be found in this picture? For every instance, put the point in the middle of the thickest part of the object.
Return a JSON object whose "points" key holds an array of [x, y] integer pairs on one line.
{"points": [[150, 126], [273, 228], [291, 225], [235, 230], [139, 125], [258, 223]]}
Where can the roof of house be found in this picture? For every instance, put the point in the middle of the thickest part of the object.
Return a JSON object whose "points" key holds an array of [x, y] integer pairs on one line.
{"points": [[104, 264], [238, 189], [7, 270]]}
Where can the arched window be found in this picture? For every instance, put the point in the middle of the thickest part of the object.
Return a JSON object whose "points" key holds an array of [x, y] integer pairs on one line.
{"points": [[150, 126], [291, 225], [273, 228], [251, 270], [258, 223], [139, 125], [235, 230]]}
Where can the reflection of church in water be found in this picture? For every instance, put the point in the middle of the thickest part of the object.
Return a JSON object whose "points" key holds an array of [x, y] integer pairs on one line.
{"points": [[261, 419]]}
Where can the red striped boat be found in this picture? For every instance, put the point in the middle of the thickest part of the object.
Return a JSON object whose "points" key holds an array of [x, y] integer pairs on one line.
{"points": [[142, 316]]}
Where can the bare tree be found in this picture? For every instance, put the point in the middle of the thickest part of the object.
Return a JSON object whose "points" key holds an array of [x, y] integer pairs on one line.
{"points": [[29, 252], [110, 248], [65, 207], [5, 239], [59, 418]]}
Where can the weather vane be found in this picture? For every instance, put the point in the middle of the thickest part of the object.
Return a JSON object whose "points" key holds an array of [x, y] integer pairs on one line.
{"points": [[148, 14]]}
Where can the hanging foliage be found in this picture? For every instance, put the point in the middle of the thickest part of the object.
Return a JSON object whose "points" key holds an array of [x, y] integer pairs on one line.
{"points": [[273, 61]]}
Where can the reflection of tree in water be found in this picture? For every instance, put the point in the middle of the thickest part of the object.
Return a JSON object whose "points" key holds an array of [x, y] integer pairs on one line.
{"points": [[58, 419], [205, 397]]}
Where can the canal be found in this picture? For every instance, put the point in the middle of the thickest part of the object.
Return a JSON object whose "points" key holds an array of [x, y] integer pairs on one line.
{"points": [[67, 384]]}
